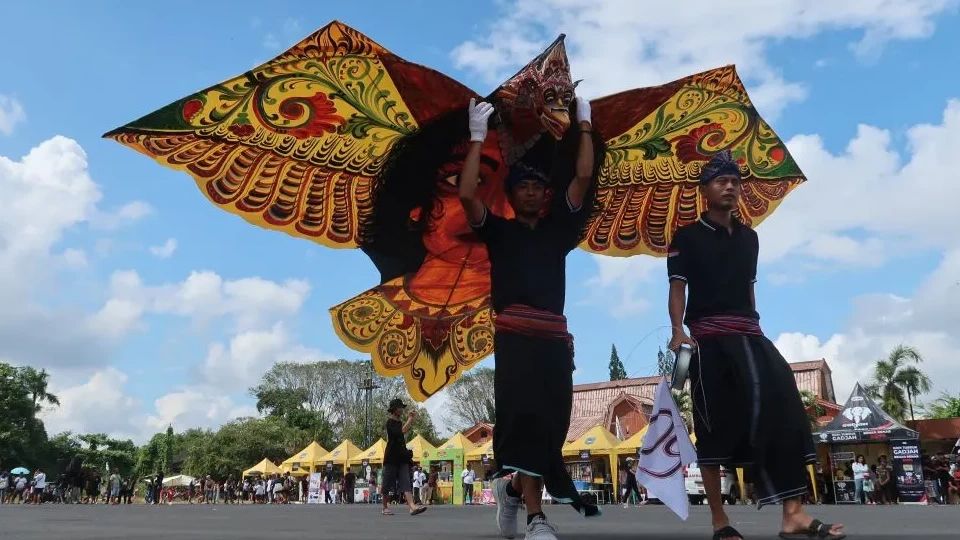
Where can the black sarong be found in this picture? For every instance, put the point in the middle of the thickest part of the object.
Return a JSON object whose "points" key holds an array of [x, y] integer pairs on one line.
{"points": [[747, 411], [533, 388]]}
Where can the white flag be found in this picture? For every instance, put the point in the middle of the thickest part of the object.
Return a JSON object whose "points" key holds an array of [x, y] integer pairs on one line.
{"points": [[666, 451]]}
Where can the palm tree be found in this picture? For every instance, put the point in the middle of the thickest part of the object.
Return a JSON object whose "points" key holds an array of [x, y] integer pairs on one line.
{"points": [[946, 406], [36, 384], [895, 384]]}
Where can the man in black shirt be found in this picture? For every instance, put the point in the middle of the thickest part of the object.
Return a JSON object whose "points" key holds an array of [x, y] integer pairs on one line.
{"points": [[396, 459], [533, 350], [747, 409]]}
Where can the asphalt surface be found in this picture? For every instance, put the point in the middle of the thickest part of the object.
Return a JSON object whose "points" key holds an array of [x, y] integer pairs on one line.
{"points": [[185, 522]]}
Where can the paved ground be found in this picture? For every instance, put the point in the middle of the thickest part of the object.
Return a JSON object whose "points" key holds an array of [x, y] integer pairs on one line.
{"points": [[184, 522]]}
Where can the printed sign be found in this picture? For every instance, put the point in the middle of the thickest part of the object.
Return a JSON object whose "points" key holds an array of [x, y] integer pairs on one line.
{"points": [[313, 490], [584, 454], [908, 472]]}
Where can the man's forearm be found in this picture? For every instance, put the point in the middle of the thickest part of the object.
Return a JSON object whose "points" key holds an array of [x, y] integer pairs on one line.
{"points": [[583, 172], [677, 304]]}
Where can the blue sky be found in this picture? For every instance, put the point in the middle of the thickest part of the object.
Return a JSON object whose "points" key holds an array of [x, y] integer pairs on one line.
{"points": [[850, 266]]}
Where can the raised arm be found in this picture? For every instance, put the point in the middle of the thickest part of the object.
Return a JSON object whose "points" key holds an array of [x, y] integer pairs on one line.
{"points": [[470, 175], [584, 168]]}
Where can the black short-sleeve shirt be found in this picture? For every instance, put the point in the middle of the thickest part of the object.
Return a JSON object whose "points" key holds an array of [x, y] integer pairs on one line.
{"points": [[718, 266], [528, 265], [396, 450]]}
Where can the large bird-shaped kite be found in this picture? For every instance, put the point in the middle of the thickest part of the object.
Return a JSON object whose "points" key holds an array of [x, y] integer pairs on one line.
{"points": [[340, 141]]}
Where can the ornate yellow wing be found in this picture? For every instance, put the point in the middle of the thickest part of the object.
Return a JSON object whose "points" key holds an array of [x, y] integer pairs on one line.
{"points": [[657, 141], [294, 144]]}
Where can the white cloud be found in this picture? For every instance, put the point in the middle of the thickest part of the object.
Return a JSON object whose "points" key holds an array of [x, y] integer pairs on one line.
{"points": [[249, 354], [927, 320], [11, 114], [165, 250], [74, 258], [96, 405], [868, 203], [204, 296], [195, 406], [622, 44], [125, 215], [622, 283]]}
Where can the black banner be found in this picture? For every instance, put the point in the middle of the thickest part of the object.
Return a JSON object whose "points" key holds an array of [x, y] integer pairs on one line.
{"points": [[845, 491], [908, 472]]}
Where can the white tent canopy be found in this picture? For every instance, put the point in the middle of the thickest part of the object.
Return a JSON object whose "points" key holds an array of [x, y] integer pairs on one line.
{"points": [[178, 481]]}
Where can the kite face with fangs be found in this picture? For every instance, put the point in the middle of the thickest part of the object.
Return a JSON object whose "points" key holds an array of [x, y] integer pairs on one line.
{"points": [[535, 100]]}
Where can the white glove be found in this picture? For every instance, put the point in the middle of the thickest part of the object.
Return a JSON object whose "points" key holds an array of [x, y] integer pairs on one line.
{"points": [[583, 110], [479, 113]]}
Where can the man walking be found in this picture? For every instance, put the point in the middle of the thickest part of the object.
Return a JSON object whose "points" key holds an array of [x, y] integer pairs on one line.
{"points": [[533, 386], [396, 459], [746, 405]]}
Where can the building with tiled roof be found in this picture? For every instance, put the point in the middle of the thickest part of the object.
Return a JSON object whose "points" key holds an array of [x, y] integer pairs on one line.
{"points": [[624, 406]]}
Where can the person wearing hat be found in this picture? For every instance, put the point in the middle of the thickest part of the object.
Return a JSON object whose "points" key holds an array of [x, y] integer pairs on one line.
{"points": [[746, 406], [397, 459], [632, 488]]}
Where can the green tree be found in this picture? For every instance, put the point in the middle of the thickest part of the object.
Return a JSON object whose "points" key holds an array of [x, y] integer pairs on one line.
{"points": [[240, 444], [470, 398], [665, 363], [22, 434], [945, 406], [895, 384], [617, 372], [812, 407]]}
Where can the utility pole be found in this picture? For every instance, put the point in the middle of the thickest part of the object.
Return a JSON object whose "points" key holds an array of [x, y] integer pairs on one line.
{"points": [[368, 387]]}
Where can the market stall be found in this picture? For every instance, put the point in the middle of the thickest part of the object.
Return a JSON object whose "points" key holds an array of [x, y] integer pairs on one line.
{"points": [[591, 461], [366, 460], [342, 455], [862, 427], [481, 459], [264, 468], [420, 448], [305, 461]]}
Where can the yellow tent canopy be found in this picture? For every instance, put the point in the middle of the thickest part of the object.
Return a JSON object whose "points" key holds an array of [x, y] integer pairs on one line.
{"points": [[343, 454], [597, 440], [457, 441], [374, 454], [480, 451], [263, 468], [632, 443], [304, 459], [420, 447]]}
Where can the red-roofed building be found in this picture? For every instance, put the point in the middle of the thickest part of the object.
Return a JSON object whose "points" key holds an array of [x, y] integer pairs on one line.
{"points": [[480, 433], [624, 406]]}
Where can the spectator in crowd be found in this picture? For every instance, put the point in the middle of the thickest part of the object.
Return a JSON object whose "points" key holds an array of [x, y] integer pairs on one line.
{"points": [[468, 478], [868, 488], [431, 488], [4, 486], [859, 467], [157, 487], [39, 485], [884, 493]]}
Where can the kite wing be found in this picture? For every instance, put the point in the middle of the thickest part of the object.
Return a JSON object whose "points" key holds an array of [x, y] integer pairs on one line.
{"points": [[295, 144], [658, 139]]}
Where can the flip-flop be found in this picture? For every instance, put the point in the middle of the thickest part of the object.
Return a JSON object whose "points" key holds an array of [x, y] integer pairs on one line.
{"points": [[727, 532], [386, 512], [816, 529], [418, 510]]}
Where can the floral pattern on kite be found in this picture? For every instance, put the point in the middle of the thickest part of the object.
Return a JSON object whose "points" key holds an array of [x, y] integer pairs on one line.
{"points": [[296, 145]]}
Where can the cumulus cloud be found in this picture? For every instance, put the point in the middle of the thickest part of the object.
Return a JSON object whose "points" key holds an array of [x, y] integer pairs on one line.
{"points": [[242, 361], [123, 216], [195, 406], [622, 44], [204, 296], [165, 250], [98, 405], [927, 320]]}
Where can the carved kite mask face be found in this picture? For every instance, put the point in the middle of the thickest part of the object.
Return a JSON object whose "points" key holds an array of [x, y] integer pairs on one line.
{"points": [[535, 100]]}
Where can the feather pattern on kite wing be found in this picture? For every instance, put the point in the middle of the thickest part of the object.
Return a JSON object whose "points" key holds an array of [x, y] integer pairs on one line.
{"points": [[658, 139]]}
